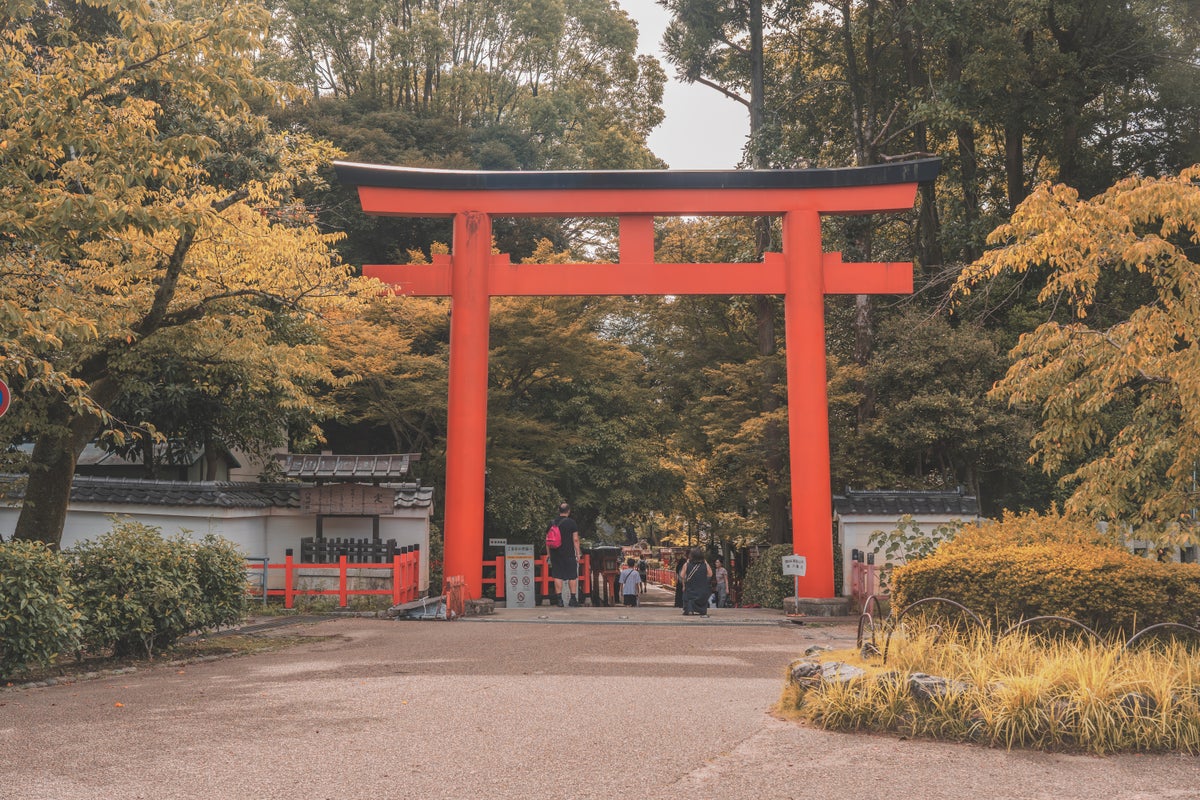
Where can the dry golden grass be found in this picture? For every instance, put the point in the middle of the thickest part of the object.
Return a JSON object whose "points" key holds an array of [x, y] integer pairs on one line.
{"points": [[1026, 689]]}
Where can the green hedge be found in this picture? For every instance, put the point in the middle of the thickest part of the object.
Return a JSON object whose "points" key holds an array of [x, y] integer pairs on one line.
{"points": [[140, 592], [221, 575], [128, 592], [764, 583], [38, 620], [1019, 572]]}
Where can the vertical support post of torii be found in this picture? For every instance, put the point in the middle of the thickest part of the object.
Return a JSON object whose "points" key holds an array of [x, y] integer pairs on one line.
{"points": [[466, 407], [808, 412]]}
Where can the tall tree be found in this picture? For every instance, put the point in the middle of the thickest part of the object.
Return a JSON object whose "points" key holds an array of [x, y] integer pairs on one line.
{"points": [[1116, 384], [935, 426], [142, 198], [720, 45], [571, 412], [562, 76]]}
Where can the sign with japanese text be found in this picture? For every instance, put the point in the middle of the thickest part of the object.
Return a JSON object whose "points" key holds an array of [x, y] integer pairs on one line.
{"points": [[795, 565], [347, 499]]}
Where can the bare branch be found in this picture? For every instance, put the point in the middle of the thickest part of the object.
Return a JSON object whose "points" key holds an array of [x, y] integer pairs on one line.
{"points": [[737, 98]]}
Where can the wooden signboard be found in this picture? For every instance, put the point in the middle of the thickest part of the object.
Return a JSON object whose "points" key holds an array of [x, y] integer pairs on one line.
{"points": [[347, 499]]}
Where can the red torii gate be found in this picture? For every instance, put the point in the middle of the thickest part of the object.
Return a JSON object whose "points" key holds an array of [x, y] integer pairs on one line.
{"points": [[802, 273]]}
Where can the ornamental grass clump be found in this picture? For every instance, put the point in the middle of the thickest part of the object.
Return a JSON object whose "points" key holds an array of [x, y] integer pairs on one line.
{"points": [[1041, 690]]}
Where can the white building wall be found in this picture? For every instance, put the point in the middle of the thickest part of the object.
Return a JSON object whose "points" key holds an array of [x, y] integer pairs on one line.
{"points": [[854, 533], [257, 532]]}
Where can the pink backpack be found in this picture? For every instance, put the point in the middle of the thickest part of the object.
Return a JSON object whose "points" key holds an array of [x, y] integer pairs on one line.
{"points": [[553, 536]]}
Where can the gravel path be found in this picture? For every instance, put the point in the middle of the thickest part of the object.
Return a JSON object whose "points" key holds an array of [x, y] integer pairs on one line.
{"points": [[561, 703]]}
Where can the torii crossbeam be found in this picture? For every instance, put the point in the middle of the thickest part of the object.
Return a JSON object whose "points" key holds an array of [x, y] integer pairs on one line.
{"points": [[802, 273]]}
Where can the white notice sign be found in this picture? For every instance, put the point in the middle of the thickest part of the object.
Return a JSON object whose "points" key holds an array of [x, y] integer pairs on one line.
{"points": [[520, 590], [795, 565]]}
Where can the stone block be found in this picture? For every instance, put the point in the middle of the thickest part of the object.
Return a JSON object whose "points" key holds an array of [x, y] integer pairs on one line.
{"points": [[480, 607], [817, 606]]}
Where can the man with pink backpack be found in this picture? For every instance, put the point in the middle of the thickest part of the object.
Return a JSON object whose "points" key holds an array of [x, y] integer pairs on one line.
{"points": [[563, 553]]}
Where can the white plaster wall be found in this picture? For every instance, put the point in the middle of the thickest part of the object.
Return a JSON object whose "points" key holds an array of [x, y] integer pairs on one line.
{"points": [[257, 532], [855, 531], [244, 527], [286, 527]]}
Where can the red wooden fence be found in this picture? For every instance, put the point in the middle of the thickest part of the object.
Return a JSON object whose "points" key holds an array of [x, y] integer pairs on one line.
{"points": [[663, 577], [541, 572], [405, 569]]}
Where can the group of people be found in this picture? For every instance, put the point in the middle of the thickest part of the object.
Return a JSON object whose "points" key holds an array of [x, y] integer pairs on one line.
{"points": [[699, 584]]}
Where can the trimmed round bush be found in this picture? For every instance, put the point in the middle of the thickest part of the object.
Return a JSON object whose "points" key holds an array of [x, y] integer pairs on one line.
{"points": [[1016, 569], [140, 592], [221, 574], [38, 620]]}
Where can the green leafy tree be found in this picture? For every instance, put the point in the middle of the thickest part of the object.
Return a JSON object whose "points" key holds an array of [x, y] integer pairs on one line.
{"points": [[559, 80], [570, 412], [934, 425], [720, 45]]}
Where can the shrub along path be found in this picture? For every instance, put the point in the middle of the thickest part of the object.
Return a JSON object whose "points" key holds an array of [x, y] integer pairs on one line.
{"points": [[496, 709]]}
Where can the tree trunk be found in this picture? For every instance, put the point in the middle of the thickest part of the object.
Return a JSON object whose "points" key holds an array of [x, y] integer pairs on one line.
{"points": [[929, 250], [969, 167], [149, 463], [212, 458], [774, 461], [1014, 162], [51, 471], [964, 134], [1014, 135]]}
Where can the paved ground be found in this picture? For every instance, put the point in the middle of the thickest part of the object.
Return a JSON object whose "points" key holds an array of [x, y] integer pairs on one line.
{"points": [[557, 703]]}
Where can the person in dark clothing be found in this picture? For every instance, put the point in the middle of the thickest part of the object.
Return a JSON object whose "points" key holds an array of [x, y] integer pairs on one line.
{"points": [[564, 559], [642, 568], [679, 571], [697, 573]]}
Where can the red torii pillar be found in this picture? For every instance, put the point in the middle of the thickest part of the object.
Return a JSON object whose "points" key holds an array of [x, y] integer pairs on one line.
{"points": [[803, 273]]}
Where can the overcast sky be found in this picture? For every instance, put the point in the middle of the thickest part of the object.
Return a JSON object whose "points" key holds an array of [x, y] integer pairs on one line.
{"points": [[703, 129]]}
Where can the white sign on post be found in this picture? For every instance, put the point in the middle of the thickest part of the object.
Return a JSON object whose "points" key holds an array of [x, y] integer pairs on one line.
{"points": [[520, 590], [795, 565]]}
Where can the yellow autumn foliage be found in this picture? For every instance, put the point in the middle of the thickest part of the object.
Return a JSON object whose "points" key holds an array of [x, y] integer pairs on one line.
{"points": [[1118, 402], [147, 210]]}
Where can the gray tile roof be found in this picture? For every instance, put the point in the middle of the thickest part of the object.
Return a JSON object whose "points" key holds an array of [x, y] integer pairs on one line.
{"points": [[899, 503], [96, 456], [346, 468], [211, 494]]}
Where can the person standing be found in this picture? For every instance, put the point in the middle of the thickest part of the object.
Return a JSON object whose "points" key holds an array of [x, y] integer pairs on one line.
{"points": [[680, 571], [696, 576], [564, 559], [631, 582], [642, 568], [722, 576]]}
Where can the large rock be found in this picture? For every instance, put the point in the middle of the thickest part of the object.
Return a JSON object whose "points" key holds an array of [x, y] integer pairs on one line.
{"points": [[480, 607], [927, 688], [807, 672]]}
